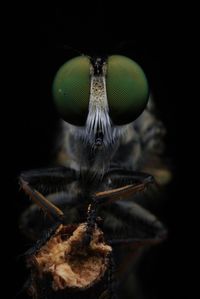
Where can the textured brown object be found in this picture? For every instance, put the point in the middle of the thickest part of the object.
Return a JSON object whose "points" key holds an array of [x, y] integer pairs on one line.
{"points": [[69, 264]]}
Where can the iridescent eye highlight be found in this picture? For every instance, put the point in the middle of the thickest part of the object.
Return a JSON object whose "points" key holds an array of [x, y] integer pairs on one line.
{"points": [[127, 89], [71, 89]]}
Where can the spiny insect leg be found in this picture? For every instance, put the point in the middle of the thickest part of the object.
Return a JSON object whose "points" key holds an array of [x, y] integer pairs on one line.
{"points": [[52, 211], [49, 180]]}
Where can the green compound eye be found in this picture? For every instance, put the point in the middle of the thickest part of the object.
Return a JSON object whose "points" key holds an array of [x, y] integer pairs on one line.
{"points": [[71, 89], [127, 89]]}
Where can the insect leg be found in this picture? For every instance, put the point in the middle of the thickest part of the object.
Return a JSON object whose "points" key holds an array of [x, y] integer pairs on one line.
{"points": [[40, 200], [46, 235], [52, 211], [109, 196], [50, 180], [142, 229], [145, 228], [91, 220], [33, 221], [118, 177], [130, 182]]}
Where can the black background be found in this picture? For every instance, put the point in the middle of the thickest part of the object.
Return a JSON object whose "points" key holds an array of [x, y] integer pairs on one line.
{"points": [[158, 39]]}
